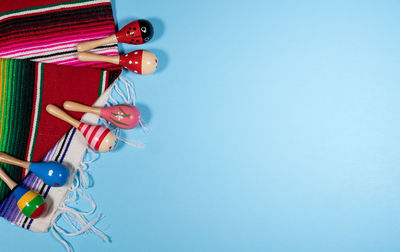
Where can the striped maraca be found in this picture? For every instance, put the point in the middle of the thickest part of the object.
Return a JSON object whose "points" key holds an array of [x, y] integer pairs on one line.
{"points": [[136, 32], [99, 137], [124, 116], [52, 173], [140, 61], [31, 204]]}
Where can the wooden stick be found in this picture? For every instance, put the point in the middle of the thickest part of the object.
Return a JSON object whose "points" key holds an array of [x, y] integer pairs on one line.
{"points": [[85, 56], [57, 112], [9, 182], [4, 158], [86, 46], [74, 106]]}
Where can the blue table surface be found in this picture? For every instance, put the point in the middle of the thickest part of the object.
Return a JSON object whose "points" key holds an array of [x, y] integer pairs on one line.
{"points": [[274, 126]]}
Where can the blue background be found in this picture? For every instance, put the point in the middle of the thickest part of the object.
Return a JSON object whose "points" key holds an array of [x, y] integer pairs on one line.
{"points": [[273, 127]]}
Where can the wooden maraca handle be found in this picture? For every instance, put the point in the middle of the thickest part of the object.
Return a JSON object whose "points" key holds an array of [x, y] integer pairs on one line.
{"points": [[57, 112], [85, 56], [86, 46], [9, 182], [74, 106], [4, 158]]}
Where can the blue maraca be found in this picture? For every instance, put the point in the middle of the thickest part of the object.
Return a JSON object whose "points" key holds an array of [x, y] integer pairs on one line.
{"points": [[52, 173]]}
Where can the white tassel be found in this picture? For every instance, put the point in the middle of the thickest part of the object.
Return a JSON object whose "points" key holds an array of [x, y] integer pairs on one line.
{"points": [[84, 178], [121, 94], [129, 98], [126, 141], [75, 219], [57, 235], [143, 125], [129, 90]]}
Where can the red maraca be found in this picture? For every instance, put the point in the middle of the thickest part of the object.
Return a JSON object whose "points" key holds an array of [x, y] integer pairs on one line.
{"points": [[136, 32], [124, 116], [140, 61]]}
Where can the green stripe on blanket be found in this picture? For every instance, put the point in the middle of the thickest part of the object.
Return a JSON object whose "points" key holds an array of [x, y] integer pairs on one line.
{"points": [[17, 79]]}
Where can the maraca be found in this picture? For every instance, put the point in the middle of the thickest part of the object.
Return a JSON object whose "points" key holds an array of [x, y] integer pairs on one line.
{"points": [[52, 173], [136, 32], [99, 137], [140, 61], [124, 116], [31, 204]]}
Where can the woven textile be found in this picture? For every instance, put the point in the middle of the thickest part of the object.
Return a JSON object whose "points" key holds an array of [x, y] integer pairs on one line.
{"points": [[27, 131], [38, 66], [50, 33]]}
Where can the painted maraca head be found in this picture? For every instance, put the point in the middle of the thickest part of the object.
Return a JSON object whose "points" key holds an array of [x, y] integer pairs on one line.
{"points": [[123, 115], [136, 32], [140, 61], [31, 204], [52, 173], [99, 137]]}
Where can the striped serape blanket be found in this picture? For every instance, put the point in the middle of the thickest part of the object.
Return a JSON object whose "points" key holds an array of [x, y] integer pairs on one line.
{"points": [[38, 66], [49, 33]]}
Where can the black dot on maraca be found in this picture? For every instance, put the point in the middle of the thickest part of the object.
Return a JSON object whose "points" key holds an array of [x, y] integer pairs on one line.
{"points": [[146, 29]]}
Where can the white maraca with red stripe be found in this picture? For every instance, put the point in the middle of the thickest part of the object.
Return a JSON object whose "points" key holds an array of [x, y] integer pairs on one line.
{"points": [[100, 138], [96, 135]]}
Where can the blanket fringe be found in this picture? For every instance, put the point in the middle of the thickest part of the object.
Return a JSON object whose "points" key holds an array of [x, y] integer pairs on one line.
{"points": [[78, 221], [116, 98]]}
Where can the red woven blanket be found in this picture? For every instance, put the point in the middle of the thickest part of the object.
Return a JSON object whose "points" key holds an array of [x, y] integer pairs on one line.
{"points": [[46, 31]]}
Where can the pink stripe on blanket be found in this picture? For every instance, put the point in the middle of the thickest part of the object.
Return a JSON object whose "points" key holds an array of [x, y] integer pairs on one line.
{"points": [[46, 42], [31, 35]]}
